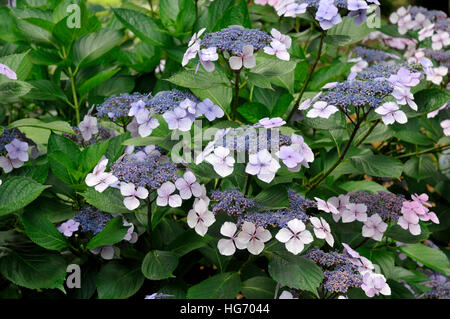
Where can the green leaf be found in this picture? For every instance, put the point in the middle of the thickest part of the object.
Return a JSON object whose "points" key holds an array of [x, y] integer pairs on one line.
{"points": [[38, 172], [63, 155], [143, 27], [187, 242], [215, 13], [177, 15], [94, 45], [295, 272], [113, 232], [420, 167], [199, 80], [429, 100], [91, 155], [348, 28], [234, 15], [57, 126], [273, 197], [253, 111], [413, 137], [430, 257], [271, 67], [109, 201], [259, 80], [338, 40], [328, 73], [116, 147], [42, 231], [282, 105], [158, 264], [45, 90], [34, 269], [143, 141], [220, 95], [378, 165], [404, 236], [222, 286], [11, 90], [386, 260], [410, 276], [259, 287], [96, 80], [18, 192], [19, 63], [369, 186], [117, 280]]}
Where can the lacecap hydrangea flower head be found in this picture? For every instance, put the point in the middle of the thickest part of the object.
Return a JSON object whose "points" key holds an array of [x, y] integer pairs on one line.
{"points": [[237, 46]]}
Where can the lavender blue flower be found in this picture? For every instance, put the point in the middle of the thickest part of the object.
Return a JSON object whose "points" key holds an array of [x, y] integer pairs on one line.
{"points": [[9, 135], [118, 107]]}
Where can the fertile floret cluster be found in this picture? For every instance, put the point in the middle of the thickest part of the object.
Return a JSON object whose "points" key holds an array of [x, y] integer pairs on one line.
{"points": [[280, 218], [231, 202], [340, 273], [150, 173], [118, 107], [91, 219], [385, 204], [234, 38]]}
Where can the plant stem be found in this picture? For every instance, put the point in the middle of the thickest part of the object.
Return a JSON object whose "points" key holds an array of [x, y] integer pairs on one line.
{"points": [[316, 61], [368, 133], [236, 93], [74, 94], [362, 243], [196, 10], [150, 3], [344, 152], [247, 186], [430, 150], [149, 218]]}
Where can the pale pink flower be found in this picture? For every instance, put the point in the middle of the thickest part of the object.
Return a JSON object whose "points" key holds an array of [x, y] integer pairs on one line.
{"points": [[200, 218], [446, 126], [327, 207], [222, 163], [322, 109], [227, 247], [188, 186], [354, 212], [295, 236], [375, 284], [130, 192], [391, 113], [253, 237], [322, 229], [166, 196], [247, 59], [374, 227]]}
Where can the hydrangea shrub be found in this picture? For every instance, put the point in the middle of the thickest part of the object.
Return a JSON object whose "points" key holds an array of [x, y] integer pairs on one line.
{"points": [[269, 149]]}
